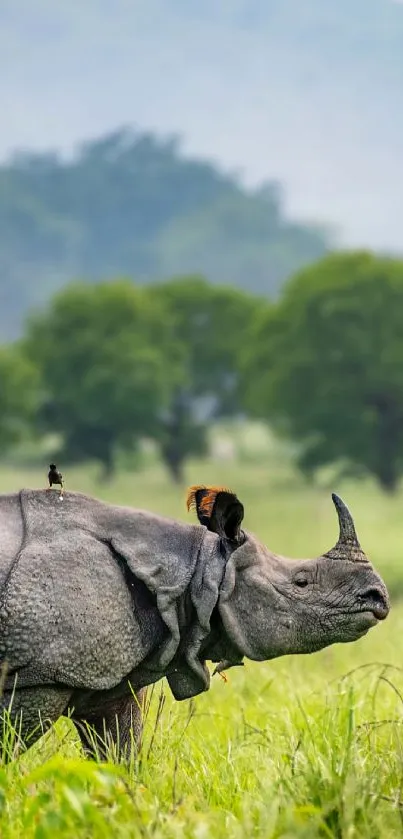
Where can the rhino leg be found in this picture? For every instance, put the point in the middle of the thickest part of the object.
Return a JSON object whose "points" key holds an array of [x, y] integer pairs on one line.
{"points": [[31, 712], [114, 729]]}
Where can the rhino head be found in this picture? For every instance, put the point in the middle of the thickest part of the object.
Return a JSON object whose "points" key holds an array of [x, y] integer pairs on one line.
{"points": [[272, 606]]}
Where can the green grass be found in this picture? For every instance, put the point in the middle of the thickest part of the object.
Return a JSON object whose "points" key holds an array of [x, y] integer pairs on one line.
{"points": [[299, 747]]}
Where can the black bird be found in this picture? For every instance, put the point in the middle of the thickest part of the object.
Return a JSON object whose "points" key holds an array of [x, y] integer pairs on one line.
{"points": [[55, 477]]}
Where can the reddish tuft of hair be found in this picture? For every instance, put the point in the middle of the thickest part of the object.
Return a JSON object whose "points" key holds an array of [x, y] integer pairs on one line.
{"points": [[191, 502], [207, 500]]}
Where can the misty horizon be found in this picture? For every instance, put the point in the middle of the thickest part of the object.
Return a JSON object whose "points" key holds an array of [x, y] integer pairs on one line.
{"points": [[304, 93]]}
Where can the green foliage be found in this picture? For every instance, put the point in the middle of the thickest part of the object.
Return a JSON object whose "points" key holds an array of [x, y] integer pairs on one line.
{"points": [[209, 324], [326, 365], [19, 396], [241, 239], [130, 204], [107, 364], [303, 747], [120, 363]]}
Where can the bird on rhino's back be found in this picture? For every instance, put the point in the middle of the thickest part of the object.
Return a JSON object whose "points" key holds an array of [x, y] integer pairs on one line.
{"points": [[99, 601]]}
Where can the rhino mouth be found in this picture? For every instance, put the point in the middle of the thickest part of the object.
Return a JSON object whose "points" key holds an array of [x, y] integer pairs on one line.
{"points": [[380, 612], [375, 604], [360, 622], [371, 615]]}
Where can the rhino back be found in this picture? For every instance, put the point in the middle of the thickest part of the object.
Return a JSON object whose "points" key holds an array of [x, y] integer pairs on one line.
{"points": [[11, 532], [67, 613]]}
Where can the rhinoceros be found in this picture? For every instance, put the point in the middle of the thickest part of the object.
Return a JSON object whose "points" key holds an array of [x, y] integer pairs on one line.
{"points": [[98, 601]]}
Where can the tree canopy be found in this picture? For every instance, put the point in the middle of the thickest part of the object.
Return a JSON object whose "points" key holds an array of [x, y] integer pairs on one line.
{"points": [[209, 327], [130, 204], [119, 363], [107, 365], [326, 365], [19, 396]]}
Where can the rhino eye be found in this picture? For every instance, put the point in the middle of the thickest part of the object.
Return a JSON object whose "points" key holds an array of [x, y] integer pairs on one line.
{"points": [[301, 581]]}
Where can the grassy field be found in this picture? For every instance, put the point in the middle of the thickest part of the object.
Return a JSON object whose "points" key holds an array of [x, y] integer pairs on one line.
{"points": [[299, 747]]}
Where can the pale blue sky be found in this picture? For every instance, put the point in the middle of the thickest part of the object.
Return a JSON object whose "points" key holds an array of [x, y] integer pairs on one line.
{"points": [[306, 91]]}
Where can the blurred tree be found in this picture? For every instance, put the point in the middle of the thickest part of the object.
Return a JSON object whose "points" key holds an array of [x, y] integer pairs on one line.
{"points": [[239, 239], [19, 396], [132, 204], [325, 365], [181, 435], [108, 367], [209, 325]]}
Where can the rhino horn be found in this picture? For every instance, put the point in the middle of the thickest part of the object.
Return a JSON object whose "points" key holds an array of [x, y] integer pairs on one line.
{"points": [[347, 545]]}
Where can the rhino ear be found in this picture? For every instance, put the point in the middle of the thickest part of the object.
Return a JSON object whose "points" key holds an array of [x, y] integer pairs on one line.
{"points": [[218, 509]]}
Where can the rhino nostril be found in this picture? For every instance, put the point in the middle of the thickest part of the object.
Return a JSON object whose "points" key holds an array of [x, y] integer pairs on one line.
{"points": [[377, 602]]}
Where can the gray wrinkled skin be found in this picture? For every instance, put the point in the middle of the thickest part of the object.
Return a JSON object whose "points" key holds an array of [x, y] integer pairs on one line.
{"points": [[99, 601]]}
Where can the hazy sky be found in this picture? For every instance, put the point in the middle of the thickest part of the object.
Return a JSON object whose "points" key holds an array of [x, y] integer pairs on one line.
{"points": [[309, 92]]}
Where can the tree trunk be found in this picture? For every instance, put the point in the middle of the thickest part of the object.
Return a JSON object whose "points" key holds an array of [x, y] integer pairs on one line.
{"points": [[108, 465], [174, 463], [173, 448], [388, 476], [388, 450]]}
